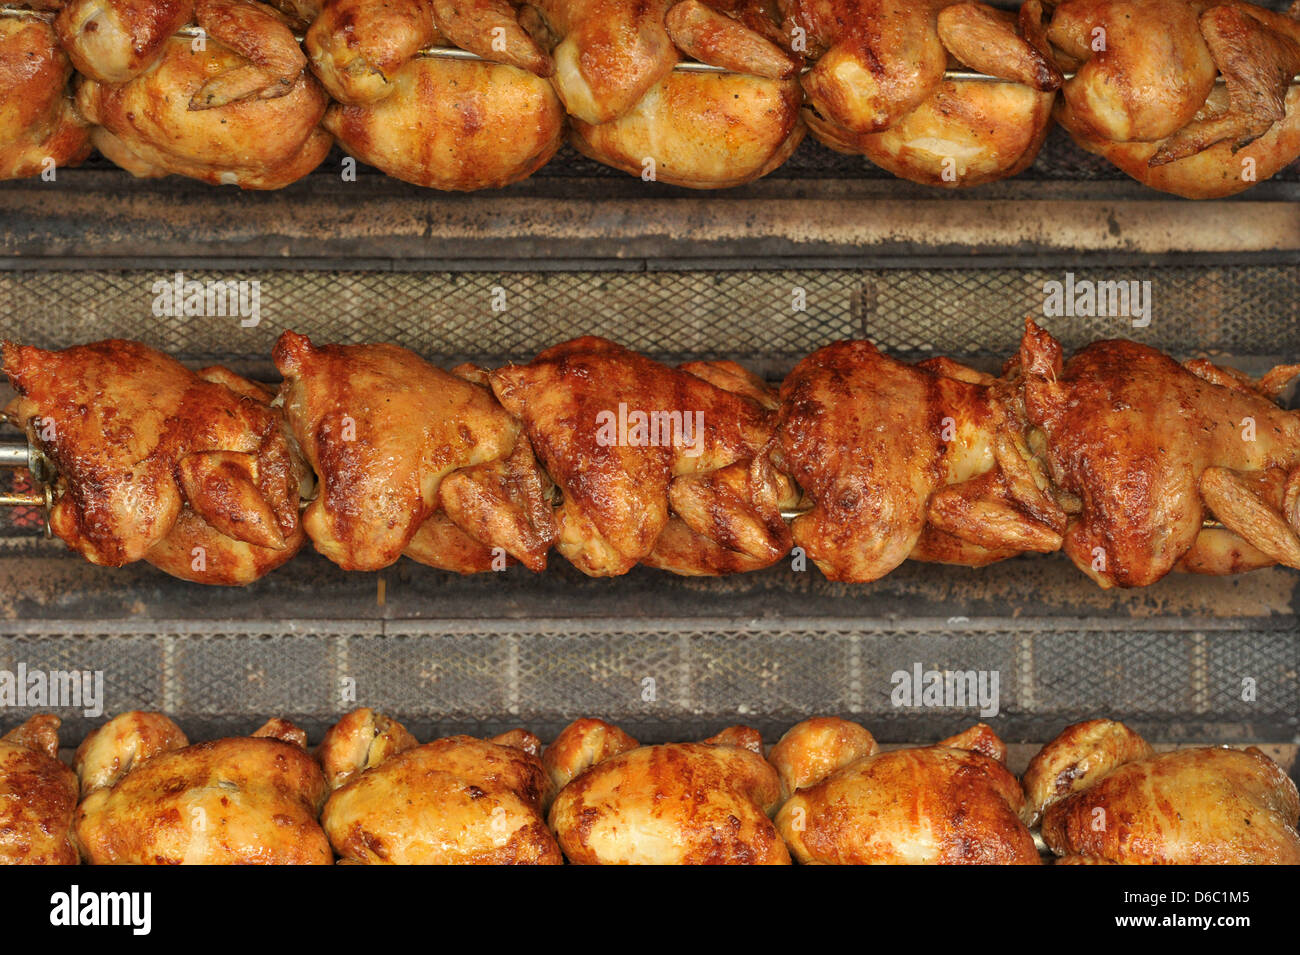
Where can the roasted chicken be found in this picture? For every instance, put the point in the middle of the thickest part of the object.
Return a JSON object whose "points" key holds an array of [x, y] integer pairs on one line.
{"points": [[38, 796], [877, 85], [1144, 95], [675, 804], [899, 461], [410, 459], [457, 800], [1141, 450], [1104, 795], [660, 465], [193, 472], [954, 803], [150, 798], [39, 128]]}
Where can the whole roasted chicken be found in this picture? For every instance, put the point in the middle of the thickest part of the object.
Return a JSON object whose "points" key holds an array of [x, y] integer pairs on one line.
{"points": [[1142, 449], [411, 459], [877, 85], [151, 798], [659, 465], [924, 461], [193, 472], [39, 127], [702, 803], [1144, 91], [38, 796], [457, 800], [232, 105], [954, 803], [1103, 794]]}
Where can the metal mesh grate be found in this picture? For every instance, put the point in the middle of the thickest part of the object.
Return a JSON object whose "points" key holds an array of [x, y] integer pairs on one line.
{"points": [[672, 679]]}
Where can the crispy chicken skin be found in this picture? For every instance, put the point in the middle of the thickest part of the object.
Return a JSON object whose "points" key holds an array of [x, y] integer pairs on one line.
{"points": [[38, 796], [1077, 758], [706, 468], [193, 114], [1148, 103], [114, 41], [607, 53], [387, 434], [877, 86], [1187, 807], [925, 461], [675, 804], [160, 463], [954, 803], [455, 125], [357, 47], [457, 800], [37, 119], [702, 130], [1147, 448], [245, 800]]}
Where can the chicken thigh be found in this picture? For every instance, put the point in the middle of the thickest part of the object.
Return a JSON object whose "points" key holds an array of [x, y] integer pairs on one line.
{"points": [[38, 796], [39, 128]]}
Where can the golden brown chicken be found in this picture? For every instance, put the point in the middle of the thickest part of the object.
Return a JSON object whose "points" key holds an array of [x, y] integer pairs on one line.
{"points": [[357, 47], [1144, 95], [150, 798], [411, 459], [114, 41], [455, 125], [235, 107], [607, 53], [1142, 450], [924, 461], [707, 130], [457, 800], [954, 803], [877, 86], [38, 796], [676, 804], [39, 128], [1187, 807], [660, 465], [193, 472]]}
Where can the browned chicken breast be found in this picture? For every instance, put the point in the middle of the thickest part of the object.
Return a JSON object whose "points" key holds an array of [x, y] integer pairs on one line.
{"points": [[410, 459], [455, 125], [38, 796], [149, 798], [950, 804], [899, 461], [1144, 449], [676, 804], [38, 124], [656, 464], [233, 108], [457, 800], [1144, 96], [607, 53], [1187, 807], [877, 86], [193, 472]]}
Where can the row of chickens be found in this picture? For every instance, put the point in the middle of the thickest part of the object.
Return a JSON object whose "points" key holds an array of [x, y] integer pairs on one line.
{"points": [[1189, 96], [1130, 462], [825, 793]]}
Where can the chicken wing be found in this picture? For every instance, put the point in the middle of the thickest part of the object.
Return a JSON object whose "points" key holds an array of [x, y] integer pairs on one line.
{"points": [[675, 804], [455, 125], [1148, 448], [383, 429], [457, 800], [245, 800], [38, 124], [156, 462], [1187, 807], [926, 461], [954, 803], [632, 443], [38, 796]]}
